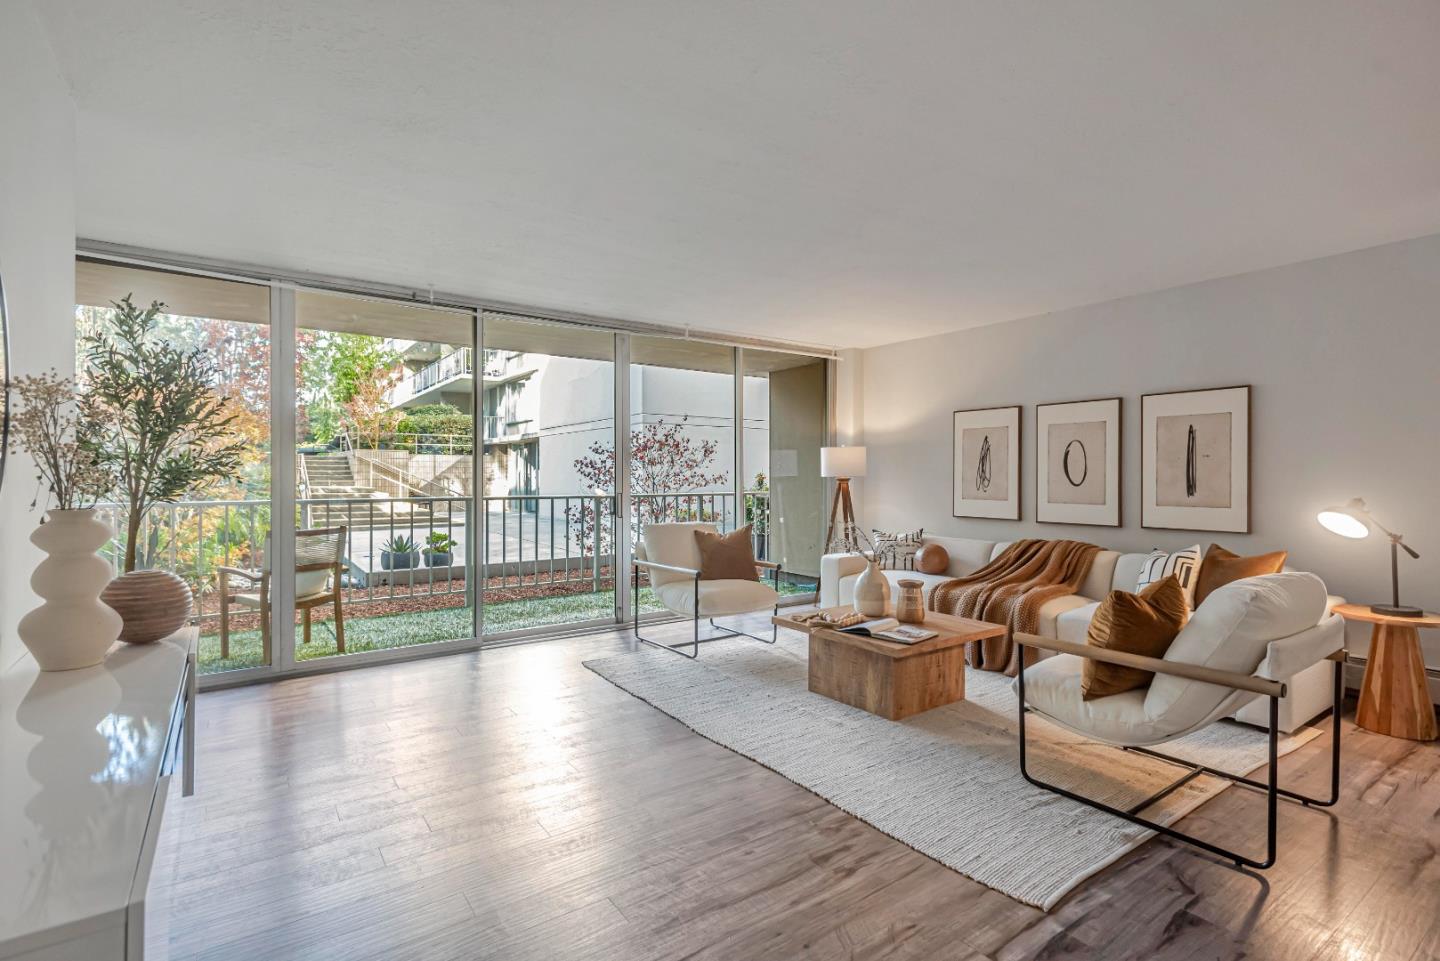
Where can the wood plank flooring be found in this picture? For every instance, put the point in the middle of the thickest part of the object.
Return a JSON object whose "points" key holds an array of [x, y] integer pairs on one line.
{"points": [[511, 804]]}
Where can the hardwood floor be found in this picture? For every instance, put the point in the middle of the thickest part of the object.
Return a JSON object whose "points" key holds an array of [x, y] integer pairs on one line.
{"points": [[511, 804]]}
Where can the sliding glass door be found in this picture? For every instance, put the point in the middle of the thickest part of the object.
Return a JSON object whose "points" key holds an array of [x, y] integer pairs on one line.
{"points": [[384, 485], [785, 424], [548, 493], [214, 536]]}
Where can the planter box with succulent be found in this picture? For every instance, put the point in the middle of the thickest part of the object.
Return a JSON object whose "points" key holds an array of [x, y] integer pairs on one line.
{"points": [[159, 423], [399, 553], [73, 628], [439, 549]]}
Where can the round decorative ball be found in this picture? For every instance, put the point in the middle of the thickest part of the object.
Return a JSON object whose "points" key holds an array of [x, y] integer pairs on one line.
{"points": [[153, 604], [932, 559]]}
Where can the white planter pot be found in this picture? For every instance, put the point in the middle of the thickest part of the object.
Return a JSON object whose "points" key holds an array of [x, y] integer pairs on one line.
{"points": [[872, 591], [73, 628]]}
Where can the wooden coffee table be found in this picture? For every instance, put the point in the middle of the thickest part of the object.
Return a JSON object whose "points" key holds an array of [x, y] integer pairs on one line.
{"points": [[892, 680]]}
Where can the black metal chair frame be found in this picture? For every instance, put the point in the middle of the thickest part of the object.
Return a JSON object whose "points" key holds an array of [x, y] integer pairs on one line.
{"points": [[1271, 786], [697, 640]]}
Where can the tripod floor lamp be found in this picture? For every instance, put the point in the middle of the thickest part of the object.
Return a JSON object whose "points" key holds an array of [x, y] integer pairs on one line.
{"points": [[842, 463]]}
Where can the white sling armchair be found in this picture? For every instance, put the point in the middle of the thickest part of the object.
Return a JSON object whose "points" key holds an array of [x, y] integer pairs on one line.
{"points": [[1243, 643], [669, 555]]}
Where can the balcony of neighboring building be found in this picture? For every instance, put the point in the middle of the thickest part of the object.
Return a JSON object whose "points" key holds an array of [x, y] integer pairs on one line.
{"points": [[450, 376]]}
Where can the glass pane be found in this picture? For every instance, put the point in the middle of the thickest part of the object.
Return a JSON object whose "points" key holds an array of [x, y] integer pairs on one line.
{"points": [[682, 436], [785, 404], [548, 412], [384, 430], [214, 533], [682, 431]]}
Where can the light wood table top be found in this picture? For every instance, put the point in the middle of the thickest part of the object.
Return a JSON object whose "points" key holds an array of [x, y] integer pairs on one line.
{"points": [[1362, 612], [952, 632]]}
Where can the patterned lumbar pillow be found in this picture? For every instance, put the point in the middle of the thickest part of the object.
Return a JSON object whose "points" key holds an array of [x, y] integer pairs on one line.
{"points": [[1185, 565], [896, 552]]}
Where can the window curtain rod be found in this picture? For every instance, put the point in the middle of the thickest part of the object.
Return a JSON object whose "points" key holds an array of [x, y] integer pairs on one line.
{"points": [[132, 256]]}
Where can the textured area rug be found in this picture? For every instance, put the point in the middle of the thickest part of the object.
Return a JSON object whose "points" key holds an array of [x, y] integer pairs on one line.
{"points": [[946, 782]]}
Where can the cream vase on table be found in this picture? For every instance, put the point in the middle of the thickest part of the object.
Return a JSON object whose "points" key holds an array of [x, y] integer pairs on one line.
{"points": [[872, 591], [73, 628]]}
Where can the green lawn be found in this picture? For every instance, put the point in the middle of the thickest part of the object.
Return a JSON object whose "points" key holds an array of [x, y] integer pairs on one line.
{"points": [[423, 627]]}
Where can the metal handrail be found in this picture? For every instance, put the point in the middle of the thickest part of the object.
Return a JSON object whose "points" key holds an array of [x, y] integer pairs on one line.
{"points": [[457, 363], [413, 482]]}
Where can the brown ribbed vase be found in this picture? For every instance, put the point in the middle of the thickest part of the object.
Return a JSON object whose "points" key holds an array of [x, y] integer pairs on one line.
{"points": [[154, 604]]}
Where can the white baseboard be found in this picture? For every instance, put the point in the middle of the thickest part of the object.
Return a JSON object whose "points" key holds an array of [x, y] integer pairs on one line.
{"points": [[1355, 674]]}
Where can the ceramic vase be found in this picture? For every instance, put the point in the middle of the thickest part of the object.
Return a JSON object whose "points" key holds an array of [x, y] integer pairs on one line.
{"points": [[153, 604], [73, 628], [872, 591]]}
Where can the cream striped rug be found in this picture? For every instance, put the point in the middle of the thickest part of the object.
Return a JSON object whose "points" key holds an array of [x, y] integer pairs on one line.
{"points": [[947, 782]]}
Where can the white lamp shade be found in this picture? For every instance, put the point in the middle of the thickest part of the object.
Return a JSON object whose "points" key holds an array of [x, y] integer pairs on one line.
{"points": [[1347, 520], [842, 462]]}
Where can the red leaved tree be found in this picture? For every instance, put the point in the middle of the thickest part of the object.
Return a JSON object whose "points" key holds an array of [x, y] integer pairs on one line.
{"points": [[668, 469]]}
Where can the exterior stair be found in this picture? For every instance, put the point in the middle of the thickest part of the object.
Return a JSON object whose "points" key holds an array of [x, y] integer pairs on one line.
{"points": [[328, 476]]}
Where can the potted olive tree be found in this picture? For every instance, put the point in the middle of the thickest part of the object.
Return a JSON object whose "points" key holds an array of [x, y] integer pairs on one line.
{"points": [[158, 424]]}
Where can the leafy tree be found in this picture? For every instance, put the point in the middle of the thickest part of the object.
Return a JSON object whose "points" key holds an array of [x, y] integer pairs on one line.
{"points": [[157, 417], [334, 367], [756, 514], [663, 460], [368, 409]]}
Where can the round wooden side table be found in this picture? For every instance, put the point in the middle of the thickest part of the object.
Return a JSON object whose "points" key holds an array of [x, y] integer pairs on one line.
{"points": [[1394, 698]]}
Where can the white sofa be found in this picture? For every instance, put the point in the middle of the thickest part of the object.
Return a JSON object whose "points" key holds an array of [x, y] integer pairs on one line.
{"points": [[1068, 618]]}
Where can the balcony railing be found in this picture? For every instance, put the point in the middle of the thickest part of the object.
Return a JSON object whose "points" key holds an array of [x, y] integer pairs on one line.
{"points": [[459, 363], [558, 542]]}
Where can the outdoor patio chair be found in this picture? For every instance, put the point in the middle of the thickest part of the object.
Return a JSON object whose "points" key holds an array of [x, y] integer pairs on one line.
{"points": [[318, 563], [668, 553]]}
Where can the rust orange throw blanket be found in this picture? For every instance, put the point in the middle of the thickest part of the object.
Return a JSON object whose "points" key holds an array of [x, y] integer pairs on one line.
{"points": [[1011, 589]]}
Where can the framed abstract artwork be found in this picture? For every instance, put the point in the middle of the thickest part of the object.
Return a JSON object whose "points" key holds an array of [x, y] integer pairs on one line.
{"points": [[1195, 460], [987, 463], [1077, 462]]}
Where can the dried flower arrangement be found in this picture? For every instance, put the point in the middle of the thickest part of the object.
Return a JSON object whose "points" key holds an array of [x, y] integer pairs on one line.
{"points": [[48, 426]]}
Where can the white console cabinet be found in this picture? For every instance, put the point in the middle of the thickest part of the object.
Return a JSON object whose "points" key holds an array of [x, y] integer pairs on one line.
{"points": [[86, 759]]}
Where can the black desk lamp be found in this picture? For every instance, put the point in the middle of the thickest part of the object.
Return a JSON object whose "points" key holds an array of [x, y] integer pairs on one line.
{"points": [[1353, 520]]}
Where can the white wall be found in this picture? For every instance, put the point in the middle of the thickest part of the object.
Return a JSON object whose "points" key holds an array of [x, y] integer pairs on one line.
{"points": [[1343, 355], [37, 262]]}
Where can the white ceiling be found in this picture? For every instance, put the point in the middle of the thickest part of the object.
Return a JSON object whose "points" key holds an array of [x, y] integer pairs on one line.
{"points": [[840, 172]]}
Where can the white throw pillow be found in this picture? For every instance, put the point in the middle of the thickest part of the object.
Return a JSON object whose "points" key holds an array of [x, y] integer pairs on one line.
{"points": [[1183, 564]]}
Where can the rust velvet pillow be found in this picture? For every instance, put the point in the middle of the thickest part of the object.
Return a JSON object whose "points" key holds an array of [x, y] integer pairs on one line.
{"points": [[1220, 567], [1144, 623], [726, 557]]}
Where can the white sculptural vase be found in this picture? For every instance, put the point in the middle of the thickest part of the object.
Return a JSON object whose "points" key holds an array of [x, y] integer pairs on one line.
{"points": [[872, 591], [73, 628]]}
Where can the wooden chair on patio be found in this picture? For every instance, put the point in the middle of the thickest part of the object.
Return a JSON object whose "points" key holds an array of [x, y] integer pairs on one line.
{"points": [[318, 565]]}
